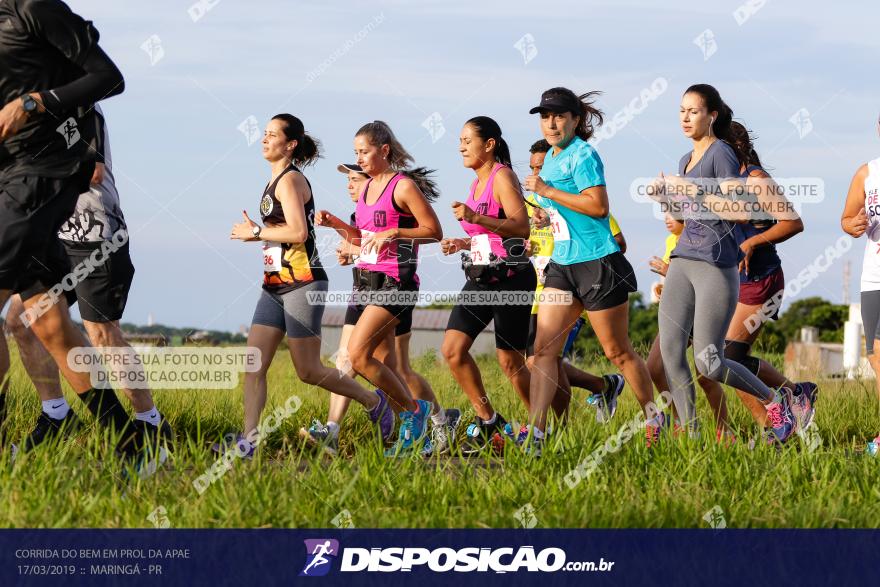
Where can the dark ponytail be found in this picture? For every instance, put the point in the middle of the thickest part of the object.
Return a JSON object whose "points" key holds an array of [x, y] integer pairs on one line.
{"points": [[423, 178], [591, 117], [308, 149], [743, 143], [486, 128], [714, 103]]}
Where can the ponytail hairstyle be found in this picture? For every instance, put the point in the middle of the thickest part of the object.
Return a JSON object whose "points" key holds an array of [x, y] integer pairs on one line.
{"points": [[714, 103], [742, 141], [308, 149], [591, 117], [486, 128], [378, 133]]}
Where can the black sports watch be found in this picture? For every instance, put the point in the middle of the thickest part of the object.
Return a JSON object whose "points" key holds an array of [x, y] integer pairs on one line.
{"points": [[256, 230], [29, 104]]}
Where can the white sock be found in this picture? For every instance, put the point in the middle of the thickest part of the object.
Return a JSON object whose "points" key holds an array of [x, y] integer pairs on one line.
{"points": [[333, 427], [150, 417], [492, 419], [537, 433], [56, 408], [439, 419]]}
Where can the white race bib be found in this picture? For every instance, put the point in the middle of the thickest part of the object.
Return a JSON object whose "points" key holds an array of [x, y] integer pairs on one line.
{"points": [[558, 225], [272, 257], [480, 249], [540, 267], [371, 258]]}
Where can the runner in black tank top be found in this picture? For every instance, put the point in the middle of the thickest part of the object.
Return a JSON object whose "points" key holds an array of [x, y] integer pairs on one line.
{"points": [[293, 284], [288, 266]]}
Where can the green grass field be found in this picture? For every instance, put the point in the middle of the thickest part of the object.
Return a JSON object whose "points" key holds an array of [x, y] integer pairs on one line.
{"points": [[77, 484]]}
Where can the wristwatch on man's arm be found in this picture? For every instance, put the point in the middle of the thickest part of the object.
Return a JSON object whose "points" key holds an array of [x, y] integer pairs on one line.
{"points": [[30, 105]]}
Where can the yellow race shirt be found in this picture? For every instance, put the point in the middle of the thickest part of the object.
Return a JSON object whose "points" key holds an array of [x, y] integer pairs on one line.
{"points": [[671, 241]]}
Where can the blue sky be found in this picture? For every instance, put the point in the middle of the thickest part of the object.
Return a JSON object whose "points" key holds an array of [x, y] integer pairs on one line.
{"points": [[185, 170]]}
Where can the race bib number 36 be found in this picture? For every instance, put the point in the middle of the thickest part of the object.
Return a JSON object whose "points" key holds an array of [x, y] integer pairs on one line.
{"points": [[480, 249], [272, 257], [558, 225]]}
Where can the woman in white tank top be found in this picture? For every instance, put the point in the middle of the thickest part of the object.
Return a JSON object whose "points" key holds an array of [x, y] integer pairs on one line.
{"points": [[861, 215]]}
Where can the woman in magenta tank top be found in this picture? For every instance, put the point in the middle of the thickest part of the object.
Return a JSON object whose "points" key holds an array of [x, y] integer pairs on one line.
{"points": [[497, 270], [393, 217], [292, 279]]}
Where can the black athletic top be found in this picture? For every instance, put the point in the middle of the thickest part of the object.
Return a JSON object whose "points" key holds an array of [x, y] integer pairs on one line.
{"points": [[46, 48], [287, 266]]}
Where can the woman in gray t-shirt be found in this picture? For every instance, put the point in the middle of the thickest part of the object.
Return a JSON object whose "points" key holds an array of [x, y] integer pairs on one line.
{"points": [[702, 283]]}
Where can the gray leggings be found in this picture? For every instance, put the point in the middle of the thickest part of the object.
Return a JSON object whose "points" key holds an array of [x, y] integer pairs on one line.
{"points": [[871, 318], [702, 297]]}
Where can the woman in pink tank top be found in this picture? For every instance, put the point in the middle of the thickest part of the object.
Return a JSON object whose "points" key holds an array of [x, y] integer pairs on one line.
{"points": [[393, 217], [498, 271]]}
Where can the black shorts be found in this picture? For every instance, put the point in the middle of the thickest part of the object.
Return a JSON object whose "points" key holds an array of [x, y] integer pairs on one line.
{"points": [[511, 320], [352, 315], [533, 332], [599, 284], [102, 295], [32, 209], [401, 297], [57, 267]]}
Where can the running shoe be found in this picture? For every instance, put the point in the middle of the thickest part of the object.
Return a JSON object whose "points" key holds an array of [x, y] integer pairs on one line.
{"points": [[145, 447], [442, 437], [413, 427], [480, 435], [235, 443], [872, 449], [526, 440], [654, 428], [780, 417], [804, 403], [606, 404], [48, 428], [383, 416], [725, 438], [319, 436]]}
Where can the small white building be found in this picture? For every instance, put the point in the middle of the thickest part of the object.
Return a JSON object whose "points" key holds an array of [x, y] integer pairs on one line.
{"points": [[855, 360]]}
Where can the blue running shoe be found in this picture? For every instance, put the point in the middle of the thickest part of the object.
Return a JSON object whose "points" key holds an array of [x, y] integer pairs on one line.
{"points": [[606, 404], [319, 436], [413, 426], [780, 417], [804, 403], [235, 443], [530, 445], [873, 447]]}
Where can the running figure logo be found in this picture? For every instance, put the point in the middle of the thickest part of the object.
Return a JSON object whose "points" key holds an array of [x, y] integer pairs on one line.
{"points": [[319, 554], [69, 131]]}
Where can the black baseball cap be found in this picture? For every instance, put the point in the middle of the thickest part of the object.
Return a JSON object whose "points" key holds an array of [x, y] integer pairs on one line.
{"points": [[347, 167], [556, 101]]}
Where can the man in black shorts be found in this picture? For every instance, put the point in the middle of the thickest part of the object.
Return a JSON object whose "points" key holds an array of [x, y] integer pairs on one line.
{"points": [[97, 225], [52, 71]]}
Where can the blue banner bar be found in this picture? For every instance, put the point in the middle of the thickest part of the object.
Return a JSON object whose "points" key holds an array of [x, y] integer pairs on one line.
{"points": [[436, 557]]}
